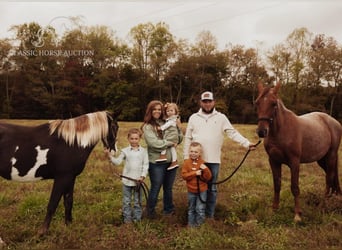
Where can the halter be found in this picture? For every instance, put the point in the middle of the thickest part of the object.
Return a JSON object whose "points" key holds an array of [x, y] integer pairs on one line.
{"points": [[111, 132], [270, 119]]}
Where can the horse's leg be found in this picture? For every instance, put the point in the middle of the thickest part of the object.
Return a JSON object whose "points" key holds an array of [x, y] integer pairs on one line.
{"points": [[294, 166], [333, 169], [276, 173], [330, 166], [323, 164], [68, 201], [55, 197]]}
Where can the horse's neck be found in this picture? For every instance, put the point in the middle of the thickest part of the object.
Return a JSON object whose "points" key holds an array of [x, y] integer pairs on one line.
{"points": [[283, 116]]}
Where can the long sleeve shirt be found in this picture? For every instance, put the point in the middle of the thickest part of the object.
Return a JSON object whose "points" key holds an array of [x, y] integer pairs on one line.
{"points": [[189, 170], [170, 130], [209, 130], [155, 144], [136, 163]]}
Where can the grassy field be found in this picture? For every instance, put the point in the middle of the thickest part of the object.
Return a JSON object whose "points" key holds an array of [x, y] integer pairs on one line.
{"points": [[244, 218]]}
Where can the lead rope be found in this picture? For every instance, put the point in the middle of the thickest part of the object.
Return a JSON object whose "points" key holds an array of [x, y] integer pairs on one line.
{"points": [[198, 188], [227, 178], [140, 185], [237, 168]]}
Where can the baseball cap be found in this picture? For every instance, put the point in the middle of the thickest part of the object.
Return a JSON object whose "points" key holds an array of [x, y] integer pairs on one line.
{"points": [[207, 96]]}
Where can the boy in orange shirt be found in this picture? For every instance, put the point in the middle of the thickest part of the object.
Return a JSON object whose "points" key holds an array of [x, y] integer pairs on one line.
{"points": [[196, 175]]}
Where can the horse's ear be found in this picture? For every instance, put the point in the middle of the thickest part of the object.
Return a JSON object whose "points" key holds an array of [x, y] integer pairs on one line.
{"points": [[116, 113], [260, 87], [277, 87]]}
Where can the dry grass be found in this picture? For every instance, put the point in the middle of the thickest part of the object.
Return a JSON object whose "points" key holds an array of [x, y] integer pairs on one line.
{"points": [[244, 218]]}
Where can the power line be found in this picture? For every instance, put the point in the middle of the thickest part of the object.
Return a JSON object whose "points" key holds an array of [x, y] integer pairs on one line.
{"points": [[159, 11], [148, 14], [229, 17]]}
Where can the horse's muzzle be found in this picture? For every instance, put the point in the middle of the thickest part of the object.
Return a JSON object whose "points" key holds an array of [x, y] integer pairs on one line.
{"points": [[262, 133]]}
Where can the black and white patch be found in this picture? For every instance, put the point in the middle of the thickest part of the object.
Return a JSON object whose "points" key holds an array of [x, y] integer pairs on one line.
{"points": [[41, 159]]}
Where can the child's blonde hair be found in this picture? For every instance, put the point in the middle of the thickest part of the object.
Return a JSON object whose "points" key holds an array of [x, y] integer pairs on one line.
{"points": [[134, 131], [170, 105], [196, 144]]}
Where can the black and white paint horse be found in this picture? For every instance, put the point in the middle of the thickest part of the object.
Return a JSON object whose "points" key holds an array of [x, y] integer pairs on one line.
{"points": [[56, 150]]}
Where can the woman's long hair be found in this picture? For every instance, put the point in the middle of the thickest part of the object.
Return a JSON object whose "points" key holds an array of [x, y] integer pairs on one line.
{"points": [[148, 118]]}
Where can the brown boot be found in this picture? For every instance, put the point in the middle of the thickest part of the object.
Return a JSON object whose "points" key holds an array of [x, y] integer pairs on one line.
{"points": [[161, 158], [173, 165]]}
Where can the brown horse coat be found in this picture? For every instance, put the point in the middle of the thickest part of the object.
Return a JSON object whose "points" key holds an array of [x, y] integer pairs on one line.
{"points": [[291, 140]]}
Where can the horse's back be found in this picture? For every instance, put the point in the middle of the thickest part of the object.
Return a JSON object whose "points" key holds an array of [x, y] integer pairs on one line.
{"points": [[18, 133], [320, 133], [324, 121]]}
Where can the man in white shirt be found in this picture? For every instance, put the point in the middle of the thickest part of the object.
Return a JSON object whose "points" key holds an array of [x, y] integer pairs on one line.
{"points": [[208, 127]]}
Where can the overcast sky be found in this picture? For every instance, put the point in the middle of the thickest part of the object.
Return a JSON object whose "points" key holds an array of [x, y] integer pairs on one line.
{"points": [[251, 23]]}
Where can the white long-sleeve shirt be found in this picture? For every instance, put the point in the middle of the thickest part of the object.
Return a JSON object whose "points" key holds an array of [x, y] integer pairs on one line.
{"points": [[136, 163], [170, 130], [209, 130]]}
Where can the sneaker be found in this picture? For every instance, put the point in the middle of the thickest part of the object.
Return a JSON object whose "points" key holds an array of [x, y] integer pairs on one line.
{"points": [[210, 220], [173, 165], [161, 158]]}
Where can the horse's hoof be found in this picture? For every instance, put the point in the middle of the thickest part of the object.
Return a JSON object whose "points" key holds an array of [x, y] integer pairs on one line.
{"points": [[297, 218], [275, 207], [42, 232], [2, 243]]}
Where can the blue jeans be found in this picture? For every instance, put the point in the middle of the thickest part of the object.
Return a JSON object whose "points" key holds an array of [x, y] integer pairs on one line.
{"points": [[129, 194], [160, 176], [196, 209], [212, 189]]}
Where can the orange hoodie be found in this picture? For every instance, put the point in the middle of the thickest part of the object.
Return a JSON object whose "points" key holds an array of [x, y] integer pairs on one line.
{"points": [[189, 169]]}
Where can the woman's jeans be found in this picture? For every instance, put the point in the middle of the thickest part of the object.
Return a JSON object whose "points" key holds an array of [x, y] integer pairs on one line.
{"points": [[160, 176], [129, 194], [196, 209], [212, 189]]}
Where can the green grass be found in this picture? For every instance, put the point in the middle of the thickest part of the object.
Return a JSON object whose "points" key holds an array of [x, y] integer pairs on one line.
{"points": [[244, 220]]}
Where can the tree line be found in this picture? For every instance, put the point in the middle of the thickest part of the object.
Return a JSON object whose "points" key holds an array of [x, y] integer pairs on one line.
{"points": [[47, 76]]}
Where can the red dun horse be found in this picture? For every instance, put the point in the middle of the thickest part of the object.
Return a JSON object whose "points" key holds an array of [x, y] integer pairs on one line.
{"points": [[291, 140]]}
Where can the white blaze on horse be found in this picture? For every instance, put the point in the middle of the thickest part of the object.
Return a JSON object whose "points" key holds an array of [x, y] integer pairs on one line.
{"points": [[291, 140], [56, 150]]}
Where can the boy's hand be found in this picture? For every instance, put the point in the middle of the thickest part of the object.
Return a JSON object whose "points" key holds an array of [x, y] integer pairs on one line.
{"points": [[198, 172], [203, 166], [107, 152]]}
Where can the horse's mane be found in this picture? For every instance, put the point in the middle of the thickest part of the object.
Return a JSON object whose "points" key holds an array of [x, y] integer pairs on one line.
{"points": [[85, 130], [264, 92], [280, 104]]}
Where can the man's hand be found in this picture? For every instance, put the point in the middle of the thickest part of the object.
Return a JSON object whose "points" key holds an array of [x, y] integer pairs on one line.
{"points": [[253, 146]]}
